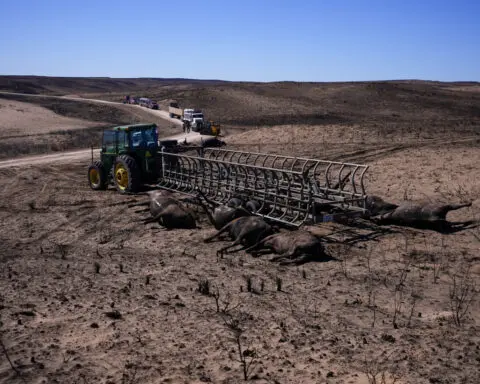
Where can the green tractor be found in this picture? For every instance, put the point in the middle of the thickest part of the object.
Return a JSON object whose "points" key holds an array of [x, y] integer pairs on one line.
{"points": [[128, 158]]}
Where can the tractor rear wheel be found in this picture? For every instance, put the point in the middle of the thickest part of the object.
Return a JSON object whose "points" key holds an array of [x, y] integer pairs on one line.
{"points": [[97, 178], [126, 174]]}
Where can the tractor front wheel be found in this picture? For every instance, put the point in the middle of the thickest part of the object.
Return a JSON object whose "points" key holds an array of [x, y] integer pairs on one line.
{"points": [[126, 174], [97, 178]]}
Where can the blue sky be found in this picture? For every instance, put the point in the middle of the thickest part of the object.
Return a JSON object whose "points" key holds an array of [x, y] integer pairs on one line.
{"points": [[323, 40]]}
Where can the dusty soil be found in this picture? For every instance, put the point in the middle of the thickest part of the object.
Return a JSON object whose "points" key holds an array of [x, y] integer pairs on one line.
{"points": [[26, 128], [90, 295], [21, 119], [319, 328]]}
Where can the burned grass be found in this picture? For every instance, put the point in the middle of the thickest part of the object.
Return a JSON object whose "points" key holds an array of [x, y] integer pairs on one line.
{"points": [[112, 299], [56, 141]]}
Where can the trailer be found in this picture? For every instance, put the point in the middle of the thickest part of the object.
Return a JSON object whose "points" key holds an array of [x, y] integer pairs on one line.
{"points": [[174, 111]]}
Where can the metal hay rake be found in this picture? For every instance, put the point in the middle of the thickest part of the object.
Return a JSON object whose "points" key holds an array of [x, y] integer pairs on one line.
{"points": [[291, 190]]}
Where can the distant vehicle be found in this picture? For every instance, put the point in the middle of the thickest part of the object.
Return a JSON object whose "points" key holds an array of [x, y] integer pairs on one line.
{"points": [[153, 105], [174, 110], [193, 119], [144, 101], [129, 100], [148, 103], [211, 128]]}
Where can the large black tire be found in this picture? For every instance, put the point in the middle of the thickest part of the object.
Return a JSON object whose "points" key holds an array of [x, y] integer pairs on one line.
{"points": [[126, 174], [97, 177]]}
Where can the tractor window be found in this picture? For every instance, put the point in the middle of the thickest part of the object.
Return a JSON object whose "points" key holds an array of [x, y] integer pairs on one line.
{"points": [[137, 140], [145, 138], [122, 140], [108, 141]]}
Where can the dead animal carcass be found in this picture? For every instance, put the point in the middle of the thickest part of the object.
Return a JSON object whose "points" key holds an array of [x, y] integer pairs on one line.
{"points": [[295, 247], [245, 231], [169, 211], [421, 214]]}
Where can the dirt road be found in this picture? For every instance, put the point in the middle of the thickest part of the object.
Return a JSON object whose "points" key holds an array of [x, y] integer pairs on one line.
{"points": [[162, 114], [63, 157]]}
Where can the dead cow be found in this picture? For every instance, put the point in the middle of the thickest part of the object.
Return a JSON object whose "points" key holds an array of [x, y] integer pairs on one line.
{"points": [[375, 205], [245, 231], [256, 206], [420, 214], [169, 212], [250, 205], [235, 202], [220, 215], [296, 247]]}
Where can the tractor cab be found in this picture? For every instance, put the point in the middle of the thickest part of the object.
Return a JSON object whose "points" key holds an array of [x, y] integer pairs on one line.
{"points": [[127, 158]]}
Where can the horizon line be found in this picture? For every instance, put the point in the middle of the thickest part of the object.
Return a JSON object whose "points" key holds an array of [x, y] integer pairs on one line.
{"points": [[240, 81]]}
